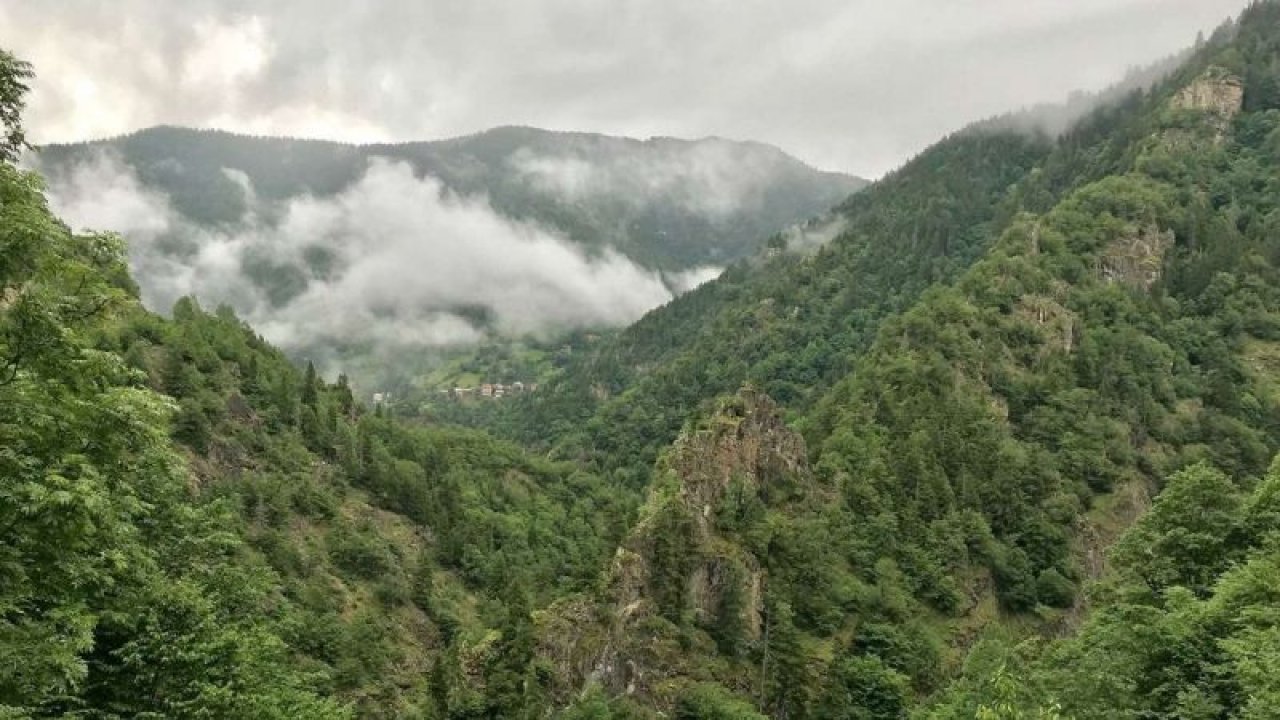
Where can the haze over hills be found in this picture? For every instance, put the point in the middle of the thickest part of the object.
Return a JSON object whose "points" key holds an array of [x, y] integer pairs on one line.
{"points": [[506, 232], [996, 438]]}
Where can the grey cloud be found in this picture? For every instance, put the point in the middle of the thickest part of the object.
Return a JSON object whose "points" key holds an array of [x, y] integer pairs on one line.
{"points": [[814, 234], [713, 179], [852, 85], [686, 280], [403, 260]]}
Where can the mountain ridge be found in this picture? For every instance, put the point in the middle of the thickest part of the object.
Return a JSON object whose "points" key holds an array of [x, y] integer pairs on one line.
{"points": [[497, 145], [870, 481]]}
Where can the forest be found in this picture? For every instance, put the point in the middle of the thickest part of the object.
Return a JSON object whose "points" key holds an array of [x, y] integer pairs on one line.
{"points": [[1004, 448]]}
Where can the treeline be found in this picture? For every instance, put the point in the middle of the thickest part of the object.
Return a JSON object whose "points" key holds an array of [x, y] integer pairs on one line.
{"points": [[1015, 343], [1186, 626], [1111, 319], [191, 526]]}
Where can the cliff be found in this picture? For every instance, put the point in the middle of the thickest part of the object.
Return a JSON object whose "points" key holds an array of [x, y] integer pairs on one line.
{"points": [[685, 581]]}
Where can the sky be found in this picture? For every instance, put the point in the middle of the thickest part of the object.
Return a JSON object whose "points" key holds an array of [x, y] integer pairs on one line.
{"points": [[851, 85]]}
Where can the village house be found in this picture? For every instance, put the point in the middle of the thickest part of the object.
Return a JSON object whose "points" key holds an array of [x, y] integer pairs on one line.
{"points": [[488, 390]]}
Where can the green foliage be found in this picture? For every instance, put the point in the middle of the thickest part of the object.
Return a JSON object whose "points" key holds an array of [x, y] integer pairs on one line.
{"points": [[366, 519], [672, 559], [1189, 535], [1153, 647], [864, 688], [14, 76], [727, 626], [712, 702], [1014, 346], [596, 705], [1172, 652], [120, 592], [1006, 702]]}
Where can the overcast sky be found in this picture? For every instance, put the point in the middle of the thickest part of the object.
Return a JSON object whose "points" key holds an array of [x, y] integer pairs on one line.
{"points": [[853, 85]]}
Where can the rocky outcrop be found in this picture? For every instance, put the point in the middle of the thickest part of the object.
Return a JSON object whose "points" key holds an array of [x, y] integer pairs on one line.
{"points": [[683, 557], [1218, 96], [1136, 258], [1056, 322], [1217, 92]]}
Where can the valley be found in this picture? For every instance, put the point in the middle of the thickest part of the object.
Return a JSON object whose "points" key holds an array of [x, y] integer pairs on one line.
{"points": [[992, 437]]}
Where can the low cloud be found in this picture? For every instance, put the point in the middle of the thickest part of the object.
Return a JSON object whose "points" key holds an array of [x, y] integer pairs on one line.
{"points": [[395, 261], [686, 280], [814, 234], [713, 179], [858, 85]]}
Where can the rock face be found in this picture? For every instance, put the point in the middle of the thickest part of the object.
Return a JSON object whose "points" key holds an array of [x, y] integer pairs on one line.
{"points": [[1218, 95], [684, 557], [1137, 258], [745, 443], [1217, 92], [1058, 323]]}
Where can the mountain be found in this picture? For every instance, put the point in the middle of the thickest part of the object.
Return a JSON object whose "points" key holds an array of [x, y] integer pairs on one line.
{"points": [[666, 203], [385, 261], [1009, 348], [994, 439]]}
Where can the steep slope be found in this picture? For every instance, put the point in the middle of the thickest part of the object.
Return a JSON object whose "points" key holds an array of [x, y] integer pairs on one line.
{"points": [[693, 561], [789, 321], [1111, 330], [668, 204], [388, 547], [191, 526], [981, 382], [794, 323], [1185, 627]]}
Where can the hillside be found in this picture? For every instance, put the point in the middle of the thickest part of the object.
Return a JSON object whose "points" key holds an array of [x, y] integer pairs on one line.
{"points": [[194, 527], [388, 262], [1000, 446], [1011, 344], [667, 204]]}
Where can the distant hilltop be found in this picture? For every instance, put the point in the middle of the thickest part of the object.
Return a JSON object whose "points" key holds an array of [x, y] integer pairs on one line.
{"points": [[667, 204]]}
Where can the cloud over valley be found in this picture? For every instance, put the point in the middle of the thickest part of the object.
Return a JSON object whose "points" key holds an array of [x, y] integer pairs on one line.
{"points": [[393, 260]]}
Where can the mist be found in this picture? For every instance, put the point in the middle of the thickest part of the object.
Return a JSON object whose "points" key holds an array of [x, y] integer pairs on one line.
{"points": [[858, 86], [395, 261], [713, 178]]}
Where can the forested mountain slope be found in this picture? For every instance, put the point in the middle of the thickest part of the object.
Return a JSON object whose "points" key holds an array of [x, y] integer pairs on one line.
{"points": [[666, 203], [1111, 321], [1000, 449], [790, 321], [191, 526], [795, 322], [389, 261]]}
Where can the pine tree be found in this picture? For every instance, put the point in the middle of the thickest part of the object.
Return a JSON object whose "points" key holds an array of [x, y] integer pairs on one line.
{"points": [[440, 684], [309, 386], [727, 627], [508, 679], [787, 680]]}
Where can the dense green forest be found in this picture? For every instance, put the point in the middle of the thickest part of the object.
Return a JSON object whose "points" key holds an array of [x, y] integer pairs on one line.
{"points": [[1003, 448], [194, 527], [668, 212], [644, 197]]}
